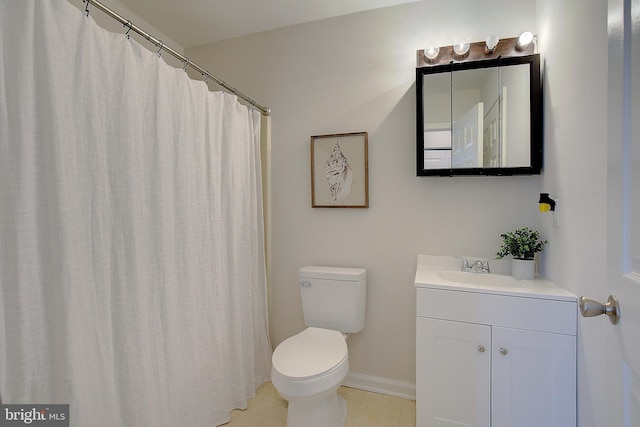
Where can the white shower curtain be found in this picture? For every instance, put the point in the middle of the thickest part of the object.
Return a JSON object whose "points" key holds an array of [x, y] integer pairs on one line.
{"points": [[132, 276]]}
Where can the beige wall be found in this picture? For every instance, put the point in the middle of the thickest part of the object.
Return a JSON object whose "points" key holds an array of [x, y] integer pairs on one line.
{"points": [[357, 73], [573, 36]]}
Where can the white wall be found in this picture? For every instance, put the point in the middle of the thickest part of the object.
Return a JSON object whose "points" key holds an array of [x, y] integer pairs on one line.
{"points": [[573, 39], [518, 112], [356, 73]]}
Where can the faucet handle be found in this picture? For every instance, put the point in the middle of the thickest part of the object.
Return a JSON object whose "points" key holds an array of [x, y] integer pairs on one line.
{"points": [[465, 263], [485, 266]]}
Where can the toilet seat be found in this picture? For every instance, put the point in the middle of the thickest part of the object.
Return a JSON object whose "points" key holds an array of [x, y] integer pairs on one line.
{"points": [[313, 353]]}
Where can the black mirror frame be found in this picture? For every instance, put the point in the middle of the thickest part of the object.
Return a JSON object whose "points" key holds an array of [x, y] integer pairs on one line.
{"points": [[536, 130]]}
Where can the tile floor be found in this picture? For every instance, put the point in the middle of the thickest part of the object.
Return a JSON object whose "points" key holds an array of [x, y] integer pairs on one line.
{"points": [[268, 409]]}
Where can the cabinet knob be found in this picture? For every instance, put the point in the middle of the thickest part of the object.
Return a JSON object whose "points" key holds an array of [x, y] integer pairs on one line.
{"points": [[481, 348], [503, 351]]}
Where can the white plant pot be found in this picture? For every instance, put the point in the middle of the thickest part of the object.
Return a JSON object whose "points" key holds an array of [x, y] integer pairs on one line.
{"points": [[523, 269]]}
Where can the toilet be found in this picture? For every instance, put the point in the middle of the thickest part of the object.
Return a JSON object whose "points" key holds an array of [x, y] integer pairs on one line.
{"points": [[308, 368]]}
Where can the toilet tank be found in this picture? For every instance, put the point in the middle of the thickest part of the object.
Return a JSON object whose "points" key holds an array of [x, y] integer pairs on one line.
{"points": [[333, 297]]}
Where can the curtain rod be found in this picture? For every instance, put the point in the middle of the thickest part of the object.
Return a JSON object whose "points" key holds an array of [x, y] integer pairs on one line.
{"points": [[161, 46]]}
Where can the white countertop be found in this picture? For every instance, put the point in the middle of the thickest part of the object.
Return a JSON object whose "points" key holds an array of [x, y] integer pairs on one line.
{"points": [[443, 272]]}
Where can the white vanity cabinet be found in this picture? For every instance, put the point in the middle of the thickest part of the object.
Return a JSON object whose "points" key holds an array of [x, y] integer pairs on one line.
{"points": [[488, 358]]}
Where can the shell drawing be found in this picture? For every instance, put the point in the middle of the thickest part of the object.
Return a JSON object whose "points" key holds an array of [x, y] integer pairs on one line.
{"points": [[338, 174]]}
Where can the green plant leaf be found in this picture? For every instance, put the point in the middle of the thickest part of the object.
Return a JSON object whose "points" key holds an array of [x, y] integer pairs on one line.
{"points": [[522, 243]]}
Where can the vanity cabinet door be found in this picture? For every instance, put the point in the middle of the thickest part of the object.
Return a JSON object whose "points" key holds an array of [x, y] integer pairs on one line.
{"points": [[533, 380], [453, 374]]}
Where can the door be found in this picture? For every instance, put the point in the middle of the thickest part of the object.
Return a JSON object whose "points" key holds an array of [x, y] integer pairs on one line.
{"points": [[491, 139], [533, 378], [453, 374], [495, 133], [621, 342], [466, 139]]}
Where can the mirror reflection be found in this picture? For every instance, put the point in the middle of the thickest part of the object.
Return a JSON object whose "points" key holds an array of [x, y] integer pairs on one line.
{"points": [[479, 118]]}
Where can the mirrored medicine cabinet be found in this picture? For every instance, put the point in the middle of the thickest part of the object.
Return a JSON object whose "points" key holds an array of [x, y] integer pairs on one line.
{"points": [[480, 117]]}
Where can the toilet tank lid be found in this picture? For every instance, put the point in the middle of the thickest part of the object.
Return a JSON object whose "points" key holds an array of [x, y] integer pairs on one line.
{"points": [[333, 273]]}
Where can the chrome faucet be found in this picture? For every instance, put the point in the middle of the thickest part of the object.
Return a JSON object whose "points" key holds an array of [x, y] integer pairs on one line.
{"points": [[479, 266]]}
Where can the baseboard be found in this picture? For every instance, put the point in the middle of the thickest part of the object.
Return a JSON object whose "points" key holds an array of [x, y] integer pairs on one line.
{"points": [[380, 385]]}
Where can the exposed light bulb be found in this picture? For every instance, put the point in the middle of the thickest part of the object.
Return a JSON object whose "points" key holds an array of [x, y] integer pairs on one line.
{"points": [[491, 43], [525, 39], [461, 47], [431, 52]]}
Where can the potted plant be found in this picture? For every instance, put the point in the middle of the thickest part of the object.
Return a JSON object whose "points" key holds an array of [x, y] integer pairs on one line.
{"points": [[522, 244]]}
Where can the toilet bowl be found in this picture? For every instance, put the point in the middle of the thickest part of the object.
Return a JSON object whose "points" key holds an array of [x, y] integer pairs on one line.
{"points": [[307, 370]]}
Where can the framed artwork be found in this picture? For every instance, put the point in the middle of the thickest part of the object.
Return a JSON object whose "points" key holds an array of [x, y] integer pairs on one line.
{"points": [[340, 171]]}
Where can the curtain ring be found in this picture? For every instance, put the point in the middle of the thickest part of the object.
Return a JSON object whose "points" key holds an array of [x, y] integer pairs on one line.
{"points": [[207, 77], [186, 64], [128, 25], [86, 8], [161, 44]]}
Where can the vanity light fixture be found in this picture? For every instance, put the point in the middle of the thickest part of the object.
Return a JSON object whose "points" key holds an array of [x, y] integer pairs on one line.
{"points": [[491, 43], [546, 203], [491, 48], [431, 52], [525, 40], [461, 47]]}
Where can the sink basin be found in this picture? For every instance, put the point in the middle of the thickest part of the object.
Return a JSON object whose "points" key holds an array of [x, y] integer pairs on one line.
{"points": [[480, 279], [443, 272]]}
